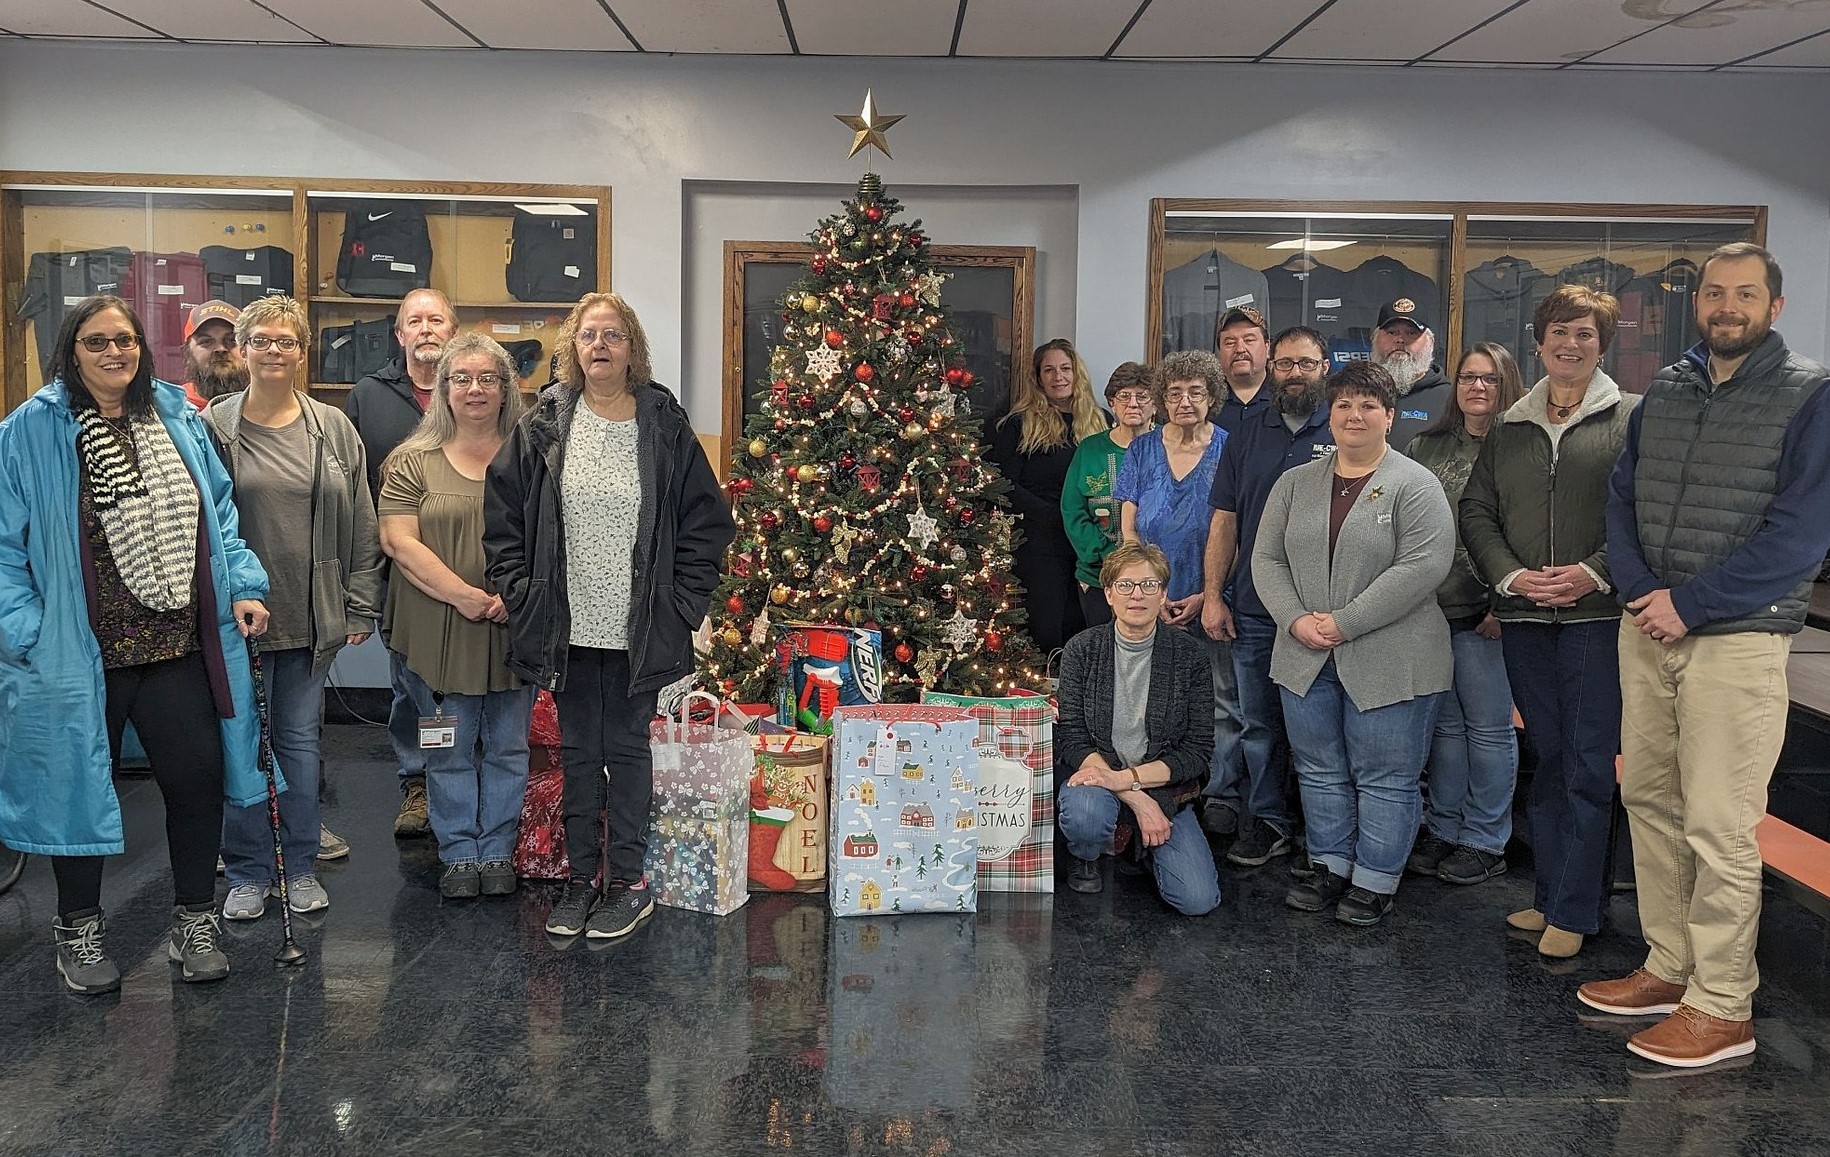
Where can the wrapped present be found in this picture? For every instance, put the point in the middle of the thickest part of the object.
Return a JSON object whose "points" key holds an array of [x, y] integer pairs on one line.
{"points": [[699, 832], [904, 831], [788, 814], [1016, 789], [540, 840], [903, 999], [821, 667]]}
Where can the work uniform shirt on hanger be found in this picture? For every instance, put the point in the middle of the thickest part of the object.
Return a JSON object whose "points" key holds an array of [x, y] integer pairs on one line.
{"points": [[1197, 293], [1316, 296], [1498, 298], [1380, 279]]}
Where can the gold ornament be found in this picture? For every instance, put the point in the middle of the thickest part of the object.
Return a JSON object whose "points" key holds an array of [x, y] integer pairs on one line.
{"points": [[854, 615], [732, 637], [868, 126], [810, 303], [914, 431], [807, 472], [779, 596], [758, 448]]}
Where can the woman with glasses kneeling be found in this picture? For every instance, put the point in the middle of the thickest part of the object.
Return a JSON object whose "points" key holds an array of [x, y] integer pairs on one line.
{"points": [[448, 627], [1349, 554], [1136, 728]]}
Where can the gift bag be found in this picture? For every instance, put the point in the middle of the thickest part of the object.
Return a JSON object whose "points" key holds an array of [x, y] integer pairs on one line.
{"points": [[824, 667], [904, 832], [699, 832], [788, 814], [540, 841], [1016, 789]]}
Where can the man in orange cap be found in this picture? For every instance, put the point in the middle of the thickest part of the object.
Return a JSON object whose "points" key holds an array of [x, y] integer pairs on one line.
{"points": [[213, 364]]}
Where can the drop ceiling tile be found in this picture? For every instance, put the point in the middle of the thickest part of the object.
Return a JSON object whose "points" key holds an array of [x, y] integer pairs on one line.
{"points": [[65, 18], [212, 20], [1059, 28], [873, 27], [1351, 30], [741, 26], [373, 23], [557, 24], [1204, 28], [1719, 35], [1812, 53], [1558, 31]]}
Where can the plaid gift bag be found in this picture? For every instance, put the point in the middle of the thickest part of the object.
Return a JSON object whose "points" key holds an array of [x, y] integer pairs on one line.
{"points": [[1016, 789]]}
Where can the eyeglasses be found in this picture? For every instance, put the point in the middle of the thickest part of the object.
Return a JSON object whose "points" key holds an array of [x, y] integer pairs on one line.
{"points": [[1131, 398], [610, 337], [284, 344], [1186, 395], [95, 343], [465, 381], [1477, 379], [1307, 365], [1147, 586]]}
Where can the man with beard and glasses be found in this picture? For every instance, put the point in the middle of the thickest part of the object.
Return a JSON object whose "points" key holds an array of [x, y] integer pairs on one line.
{"points": [[213, 366], [1290, 429], [1406, 348], [1716, 528], [386, 406], [1242, 343]]}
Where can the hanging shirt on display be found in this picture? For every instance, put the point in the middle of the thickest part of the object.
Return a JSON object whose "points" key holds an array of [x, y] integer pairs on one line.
{"points": [[57, 282], [1380, 279], [1303, 291], [1598, 274], [1657, 323], [1498, 298], [240, 276], [166, 287], [1196, 294]]}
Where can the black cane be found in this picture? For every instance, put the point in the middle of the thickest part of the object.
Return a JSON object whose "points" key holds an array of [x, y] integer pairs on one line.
{"points": [[290, 952]]}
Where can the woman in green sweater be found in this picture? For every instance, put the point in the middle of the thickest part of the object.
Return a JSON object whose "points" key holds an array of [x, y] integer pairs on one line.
{"points": [[1087, 507]]}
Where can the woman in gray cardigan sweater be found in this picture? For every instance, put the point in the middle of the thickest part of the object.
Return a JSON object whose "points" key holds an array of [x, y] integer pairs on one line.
{"points": [[1347, 560]]}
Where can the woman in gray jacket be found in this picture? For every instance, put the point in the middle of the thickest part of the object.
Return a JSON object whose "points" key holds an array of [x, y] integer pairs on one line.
{"points": [[1348, 557]]}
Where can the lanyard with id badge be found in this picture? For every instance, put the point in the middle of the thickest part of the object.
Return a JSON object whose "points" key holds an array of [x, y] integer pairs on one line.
{"points": [[438, 729]]}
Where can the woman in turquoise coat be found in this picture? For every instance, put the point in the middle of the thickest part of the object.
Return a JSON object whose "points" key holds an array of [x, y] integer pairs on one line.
{"points": [[125, 593]]}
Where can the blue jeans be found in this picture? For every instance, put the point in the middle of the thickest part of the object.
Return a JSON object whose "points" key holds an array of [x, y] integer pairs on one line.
{"points": [[1359, 773], [403, 718], [1183, 864], [474, 789], [295, 709], [1228, 758], [1253, 783], [1474, 757], [1566, 679]]}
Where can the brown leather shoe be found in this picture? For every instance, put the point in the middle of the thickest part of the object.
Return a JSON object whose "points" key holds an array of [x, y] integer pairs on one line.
{"points": [[1528, 920], [1639, 993], [1688, 1039]]}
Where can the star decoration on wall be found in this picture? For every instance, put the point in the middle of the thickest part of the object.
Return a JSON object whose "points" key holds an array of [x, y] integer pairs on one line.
{"points": [[923, 528], [823, 363], [961, 631], [868, 126]]}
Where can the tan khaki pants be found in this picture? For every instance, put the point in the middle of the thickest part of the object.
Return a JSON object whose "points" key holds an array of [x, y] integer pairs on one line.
{"points": [[1702, 722]]}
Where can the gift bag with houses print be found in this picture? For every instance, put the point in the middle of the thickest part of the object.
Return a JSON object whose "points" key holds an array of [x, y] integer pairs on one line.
{"points": [[1016, 789]]}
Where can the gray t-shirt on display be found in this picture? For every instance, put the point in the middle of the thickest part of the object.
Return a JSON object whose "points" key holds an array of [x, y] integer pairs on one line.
{"points": [[1131, 697], [273, 497]]}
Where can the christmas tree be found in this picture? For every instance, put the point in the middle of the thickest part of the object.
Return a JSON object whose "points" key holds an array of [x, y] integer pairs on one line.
{"points": [[861, 495]]}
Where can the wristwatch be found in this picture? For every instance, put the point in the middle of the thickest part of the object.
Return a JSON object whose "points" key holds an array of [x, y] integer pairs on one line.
{"points": [[1136, 783]]}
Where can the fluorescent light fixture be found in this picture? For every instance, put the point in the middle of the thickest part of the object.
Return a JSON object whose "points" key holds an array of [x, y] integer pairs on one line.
{"points": [[1312, 244], [552, 208]]}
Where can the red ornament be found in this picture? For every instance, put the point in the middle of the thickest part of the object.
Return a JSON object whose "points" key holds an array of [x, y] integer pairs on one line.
{"points": [[847, 460], [768, 520], [819, 265], [904, 653], [805, 401], [870, 477], [904, 414], [955, 375], [882, 305], [920, 572], [734, 604], [965, 516], [834, 338], [966, 379], [915, 237], [995, 585], [874, 212], [864, 373], [822, 524], [912, 336], [741, 486], [906, 301], [993, 641]]}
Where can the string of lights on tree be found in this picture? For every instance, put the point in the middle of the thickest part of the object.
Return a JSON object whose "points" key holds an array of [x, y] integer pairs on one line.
{"points": [[861, 493]]}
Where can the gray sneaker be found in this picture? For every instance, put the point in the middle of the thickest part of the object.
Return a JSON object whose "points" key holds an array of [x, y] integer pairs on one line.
{"points": [[331, 846], [304, 894], [620, 911], [245, 902], [498, 877], [80, 959], [193, 945]]}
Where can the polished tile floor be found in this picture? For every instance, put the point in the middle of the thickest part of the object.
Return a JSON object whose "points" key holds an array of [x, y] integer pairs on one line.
{"points": [[1097, 1025]]}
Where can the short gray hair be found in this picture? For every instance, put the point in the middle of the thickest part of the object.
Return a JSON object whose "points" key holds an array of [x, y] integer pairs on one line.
{"points": [[1188, 366]]}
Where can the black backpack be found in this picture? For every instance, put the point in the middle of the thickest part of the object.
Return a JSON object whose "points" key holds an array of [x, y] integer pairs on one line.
{"points": [[552, 258], [349, 353], [386, 250]]}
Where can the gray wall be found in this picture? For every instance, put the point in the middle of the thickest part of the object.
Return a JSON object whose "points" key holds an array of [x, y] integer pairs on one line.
{"points": [[664, 131]]}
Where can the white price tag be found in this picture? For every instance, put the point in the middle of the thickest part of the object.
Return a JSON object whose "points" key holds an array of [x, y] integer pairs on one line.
{"points": [[247, 279], [571, 271], [402, 267], [500, 327], [170, 290]]}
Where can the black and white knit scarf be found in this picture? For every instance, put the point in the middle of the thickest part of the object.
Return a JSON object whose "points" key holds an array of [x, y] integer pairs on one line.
{"points": [[147, 503]]}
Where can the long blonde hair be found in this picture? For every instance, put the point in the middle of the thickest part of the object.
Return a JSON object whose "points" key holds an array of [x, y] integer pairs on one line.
{"points": [[437, 425], [1043, 426]]}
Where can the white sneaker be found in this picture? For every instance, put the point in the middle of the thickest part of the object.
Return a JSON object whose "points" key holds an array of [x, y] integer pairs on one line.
{"points": [[245, 902], [304, 894]]}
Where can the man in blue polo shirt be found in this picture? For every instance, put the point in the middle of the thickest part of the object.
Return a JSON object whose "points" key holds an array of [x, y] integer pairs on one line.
{"points": [[1289, 432]]}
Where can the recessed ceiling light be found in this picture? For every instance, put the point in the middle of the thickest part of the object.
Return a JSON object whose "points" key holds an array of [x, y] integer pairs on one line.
{"points": [[1314, 245]]}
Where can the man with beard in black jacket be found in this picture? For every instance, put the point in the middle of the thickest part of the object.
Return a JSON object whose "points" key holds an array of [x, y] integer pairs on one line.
{"points": [[385, 407], [1406, 347]]}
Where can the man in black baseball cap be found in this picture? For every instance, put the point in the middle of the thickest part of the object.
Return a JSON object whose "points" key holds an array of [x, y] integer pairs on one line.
{"points": [[1405, 346]]}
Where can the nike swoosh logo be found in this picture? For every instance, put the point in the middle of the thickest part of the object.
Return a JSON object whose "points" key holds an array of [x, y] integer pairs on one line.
{"points": [[379, 216]]}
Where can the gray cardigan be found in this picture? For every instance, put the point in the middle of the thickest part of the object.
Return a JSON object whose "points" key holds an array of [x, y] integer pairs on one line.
{"points": [[1396, 545]]}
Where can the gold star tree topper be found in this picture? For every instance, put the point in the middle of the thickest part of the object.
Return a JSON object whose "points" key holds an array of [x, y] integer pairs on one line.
{"points": [[868, 126]]}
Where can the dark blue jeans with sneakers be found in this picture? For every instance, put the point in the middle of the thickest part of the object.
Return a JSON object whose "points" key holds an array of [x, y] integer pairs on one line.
{"points": [[1252, 782], [1359, 772], [1183, 865], [295, 708]]}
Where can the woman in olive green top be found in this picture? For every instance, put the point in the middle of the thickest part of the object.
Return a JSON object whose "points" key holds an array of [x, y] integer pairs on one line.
{"points": [[1087, 507], [447, 626]]}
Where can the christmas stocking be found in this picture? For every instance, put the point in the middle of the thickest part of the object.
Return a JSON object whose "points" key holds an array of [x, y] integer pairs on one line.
{"points": [[766, 827]]}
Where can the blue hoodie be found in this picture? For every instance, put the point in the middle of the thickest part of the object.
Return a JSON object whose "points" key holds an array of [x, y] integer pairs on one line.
{"points": [[56, 788]]}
